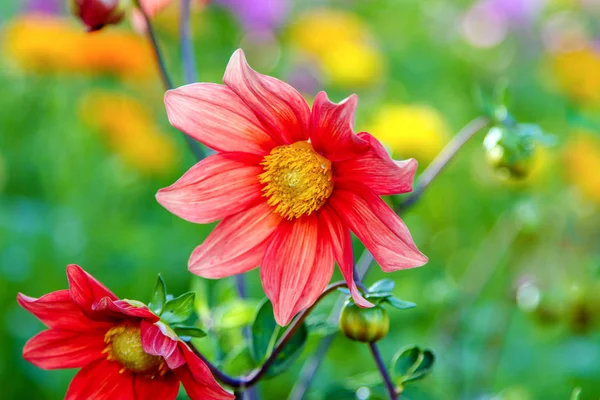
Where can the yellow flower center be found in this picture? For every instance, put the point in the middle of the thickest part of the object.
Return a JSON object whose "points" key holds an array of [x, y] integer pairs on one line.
{"points": [[124, 345], [297, 179]]}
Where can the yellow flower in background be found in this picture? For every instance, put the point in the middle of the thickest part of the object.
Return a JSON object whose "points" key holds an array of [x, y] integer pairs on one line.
{"points": [[582, 156], [410, 131], [578, 74], [130, 131], [341, 44], [50, 44]]}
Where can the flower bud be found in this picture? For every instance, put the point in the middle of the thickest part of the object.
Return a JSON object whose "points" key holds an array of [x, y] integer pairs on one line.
{"points": [[364, 324], [509, 150], [95, 14]]}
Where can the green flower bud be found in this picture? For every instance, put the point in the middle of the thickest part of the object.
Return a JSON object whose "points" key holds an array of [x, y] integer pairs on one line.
{"points": [[510, 150], [364, 324]]}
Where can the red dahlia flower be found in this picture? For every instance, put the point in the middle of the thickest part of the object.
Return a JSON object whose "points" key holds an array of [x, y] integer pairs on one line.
{"points": [[288, 183], [122, 348]]}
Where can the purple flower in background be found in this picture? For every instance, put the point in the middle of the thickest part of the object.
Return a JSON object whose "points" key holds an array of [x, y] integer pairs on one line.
{"points": [[515, 12], [45, 6], [258, 15]]}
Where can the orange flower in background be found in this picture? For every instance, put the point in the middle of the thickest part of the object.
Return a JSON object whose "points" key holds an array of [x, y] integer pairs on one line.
{"points": [[289, 184], [582, 154], [50, 44], [124, 350], [131, 131], [578, 73]]}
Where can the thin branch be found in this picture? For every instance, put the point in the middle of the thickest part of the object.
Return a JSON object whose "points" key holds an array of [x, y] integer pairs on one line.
{"points": [[254, 376], [187, 46], [160, 61], [167, 82], [387, 380], [310, 369]]}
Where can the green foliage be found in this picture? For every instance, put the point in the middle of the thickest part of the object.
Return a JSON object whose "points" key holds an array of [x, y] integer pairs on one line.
{"points": [[265, 336], [159, 297], [411, 364], [179, 309]]}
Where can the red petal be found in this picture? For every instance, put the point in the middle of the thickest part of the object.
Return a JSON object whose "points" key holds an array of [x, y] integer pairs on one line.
{"points": [[377, 170], [57, 310], [101, 380], [110, 310], [216, 187], [331, 130], [378, 227], [159, 340], [217, 117], [61, 349], [278, 106], [164, 388], [85, 289], [297, 266], [341, 243], [197, 379], [236, 245]]}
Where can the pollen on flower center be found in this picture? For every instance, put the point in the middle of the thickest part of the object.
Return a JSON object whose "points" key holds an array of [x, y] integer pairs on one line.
{"points": [[124, 345], [297, 179]]}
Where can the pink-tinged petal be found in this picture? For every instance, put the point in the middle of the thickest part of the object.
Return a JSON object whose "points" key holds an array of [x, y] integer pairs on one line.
{"points": [[85, 289], [57, 310], [341, 243], [61, 349], [378, 227], [282, 111], [107, 309], [214, 115], [102, 380], [163, 388], [159, 340], [152, 7], [216, 187], [236, 245], [376, 169], [297, 266], [331, 129], [197, 379]]}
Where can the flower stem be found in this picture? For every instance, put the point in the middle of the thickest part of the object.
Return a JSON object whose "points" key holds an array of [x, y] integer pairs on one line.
{"points": [[166, 79], [187, 46], [365, 260], [252, 378], [387, 380]]}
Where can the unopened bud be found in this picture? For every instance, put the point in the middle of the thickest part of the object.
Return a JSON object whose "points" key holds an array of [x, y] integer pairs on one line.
{"points": [[95, 14]]}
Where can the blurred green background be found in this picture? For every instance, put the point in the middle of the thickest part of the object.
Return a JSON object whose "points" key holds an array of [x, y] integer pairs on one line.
{"points": [[510, 299]]}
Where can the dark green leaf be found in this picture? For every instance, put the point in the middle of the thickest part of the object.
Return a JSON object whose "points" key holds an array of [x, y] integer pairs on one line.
{"points": [[179, 309], [265, 335], [405, 361], [190, 331], [159, 297], [399, 304], [263, 329]]}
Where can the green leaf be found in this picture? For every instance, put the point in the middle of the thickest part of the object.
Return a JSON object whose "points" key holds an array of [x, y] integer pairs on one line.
{"points": [[382, 286], [575, 394], [403, 362], [411, 364], [265, 335], [263, 328], [179, 309], [400, 304], [321, 325], [189, 331], [159, 297]]}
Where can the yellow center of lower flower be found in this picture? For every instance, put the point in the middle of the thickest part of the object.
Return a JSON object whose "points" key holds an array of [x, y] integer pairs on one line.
{"points": [[297, 179], [124, 345]]}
